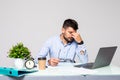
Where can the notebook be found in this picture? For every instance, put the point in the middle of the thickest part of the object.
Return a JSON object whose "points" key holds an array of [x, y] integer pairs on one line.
{"points": [[15, 72], [104, 57]]}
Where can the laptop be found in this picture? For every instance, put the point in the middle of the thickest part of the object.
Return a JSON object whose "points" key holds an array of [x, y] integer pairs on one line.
{"points": [[104, 57]]}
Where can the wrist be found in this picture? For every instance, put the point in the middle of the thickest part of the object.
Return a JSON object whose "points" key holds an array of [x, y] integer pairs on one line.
{"points": [[49, 62]]}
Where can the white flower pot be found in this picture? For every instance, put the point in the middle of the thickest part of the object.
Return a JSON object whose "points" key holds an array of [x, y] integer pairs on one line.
{"points": [[19, 63]]}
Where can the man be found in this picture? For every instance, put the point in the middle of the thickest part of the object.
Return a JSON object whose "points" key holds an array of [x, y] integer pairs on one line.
{"points": [[66, 46]]}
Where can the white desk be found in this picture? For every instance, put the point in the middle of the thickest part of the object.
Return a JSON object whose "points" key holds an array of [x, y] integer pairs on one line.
{"points": [[68, 72]]}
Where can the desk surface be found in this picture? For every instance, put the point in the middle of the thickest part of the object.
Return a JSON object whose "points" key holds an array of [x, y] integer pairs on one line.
{"points": [[66, 70]]}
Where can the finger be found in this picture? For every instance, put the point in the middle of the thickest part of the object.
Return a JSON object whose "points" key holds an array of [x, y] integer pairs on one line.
{"points": [[54, 64], [73, 34], [55, 60]]}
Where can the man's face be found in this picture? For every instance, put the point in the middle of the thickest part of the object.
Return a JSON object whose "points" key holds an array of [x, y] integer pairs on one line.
{"points": [[68, 34]]}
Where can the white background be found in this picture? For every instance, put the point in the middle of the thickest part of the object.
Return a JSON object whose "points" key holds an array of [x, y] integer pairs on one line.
{"points": [[34, 21]]}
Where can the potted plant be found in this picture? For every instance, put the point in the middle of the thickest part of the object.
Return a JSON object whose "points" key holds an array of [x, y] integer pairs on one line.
{"points": [[20, 53]]}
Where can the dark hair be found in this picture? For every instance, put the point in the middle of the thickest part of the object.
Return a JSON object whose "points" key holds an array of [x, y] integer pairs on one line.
{"points": [[70, 23]]}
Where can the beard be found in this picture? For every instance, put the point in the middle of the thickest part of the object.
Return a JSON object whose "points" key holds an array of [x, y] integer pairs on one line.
{"points": [[69, 40]]}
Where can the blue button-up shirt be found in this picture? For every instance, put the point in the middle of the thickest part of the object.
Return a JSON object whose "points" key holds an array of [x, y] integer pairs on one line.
{"points": [[54, 48]]}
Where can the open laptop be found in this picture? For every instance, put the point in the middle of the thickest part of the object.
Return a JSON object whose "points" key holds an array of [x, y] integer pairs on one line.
{"points": [[103, 58]]}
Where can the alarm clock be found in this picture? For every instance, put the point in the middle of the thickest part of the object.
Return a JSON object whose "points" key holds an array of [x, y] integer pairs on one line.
{"points": [[29, 64]]}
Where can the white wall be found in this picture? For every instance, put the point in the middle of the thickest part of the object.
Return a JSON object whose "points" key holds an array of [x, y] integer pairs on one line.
{"points": [[34, 21]]}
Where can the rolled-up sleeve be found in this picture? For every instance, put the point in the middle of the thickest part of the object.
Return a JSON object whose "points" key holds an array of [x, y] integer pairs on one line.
{"points": [[82, 57]]}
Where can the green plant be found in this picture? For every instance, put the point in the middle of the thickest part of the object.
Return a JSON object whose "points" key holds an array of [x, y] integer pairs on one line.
{"points": [[19, 51]]}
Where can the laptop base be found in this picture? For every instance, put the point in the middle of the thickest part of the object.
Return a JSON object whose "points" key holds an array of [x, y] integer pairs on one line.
{"points": [[87, 65]]}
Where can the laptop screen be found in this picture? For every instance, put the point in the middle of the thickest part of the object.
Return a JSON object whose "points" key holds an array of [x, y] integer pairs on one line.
{"points": [[104, 56]]}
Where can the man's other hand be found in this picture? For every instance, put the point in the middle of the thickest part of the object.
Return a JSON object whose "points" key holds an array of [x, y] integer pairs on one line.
{"points": [[53, 61]]}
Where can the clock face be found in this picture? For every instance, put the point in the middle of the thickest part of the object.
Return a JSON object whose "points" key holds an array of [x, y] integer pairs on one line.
{"points": [[29, 64]]}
